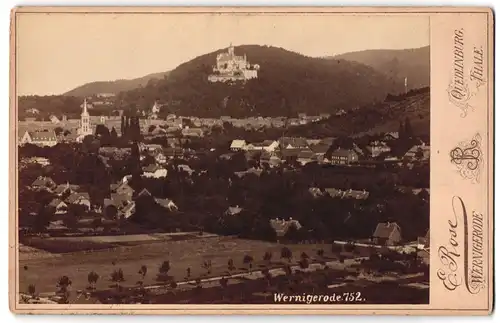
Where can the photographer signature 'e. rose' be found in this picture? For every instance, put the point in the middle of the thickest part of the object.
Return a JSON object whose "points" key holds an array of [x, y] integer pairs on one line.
{"points": [[448, 273], [473, 256]]}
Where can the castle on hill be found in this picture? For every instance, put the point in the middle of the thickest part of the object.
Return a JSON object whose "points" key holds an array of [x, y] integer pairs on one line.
{"points": [[230, 67]]}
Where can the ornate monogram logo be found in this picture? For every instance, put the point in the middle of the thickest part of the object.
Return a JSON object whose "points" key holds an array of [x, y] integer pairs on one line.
{"points": [[468, 158]]}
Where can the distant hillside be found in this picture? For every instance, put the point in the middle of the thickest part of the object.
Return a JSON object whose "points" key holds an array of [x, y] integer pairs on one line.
{"points": [[311, 85], [47, 105], [396, 64], [377, 118], [114, 86]]}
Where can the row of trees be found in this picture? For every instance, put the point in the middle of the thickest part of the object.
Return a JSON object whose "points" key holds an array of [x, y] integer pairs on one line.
{"points": [[130, 128], [378, 261]]}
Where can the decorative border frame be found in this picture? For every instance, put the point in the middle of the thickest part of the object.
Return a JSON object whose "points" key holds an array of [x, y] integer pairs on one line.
{"points": [[453, 305]]}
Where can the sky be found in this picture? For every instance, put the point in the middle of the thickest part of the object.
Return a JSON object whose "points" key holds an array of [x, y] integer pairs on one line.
{"points": [[59, 51]]}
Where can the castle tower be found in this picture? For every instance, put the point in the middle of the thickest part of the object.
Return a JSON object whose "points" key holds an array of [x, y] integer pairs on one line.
{"points": [[85, 128], [230, 67]]}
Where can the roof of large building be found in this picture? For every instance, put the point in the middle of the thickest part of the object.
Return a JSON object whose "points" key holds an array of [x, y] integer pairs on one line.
{"points": [[238, 143], [166, 203], [37, 136], [343, 152], [43, 181], [305, 154], [151, 168], [295, 142], [63, 187], [77, 196], [384, 230], [56, 202]]}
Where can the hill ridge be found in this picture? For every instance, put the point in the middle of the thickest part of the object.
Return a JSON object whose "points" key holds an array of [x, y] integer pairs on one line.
{"points": [[381, 117], [376, 50], [115, 86], [311, 85], [396, 64]]}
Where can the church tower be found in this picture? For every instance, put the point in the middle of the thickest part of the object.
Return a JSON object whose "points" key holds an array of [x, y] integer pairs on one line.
{"points": [[231, 50], [85, 127]]}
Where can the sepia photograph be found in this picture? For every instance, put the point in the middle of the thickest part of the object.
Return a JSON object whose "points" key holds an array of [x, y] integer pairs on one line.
{"points": [[223, 158]]}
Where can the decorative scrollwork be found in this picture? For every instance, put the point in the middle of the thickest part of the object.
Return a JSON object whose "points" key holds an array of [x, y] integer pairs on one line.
{"points": [[461, 99], [468, 158]]}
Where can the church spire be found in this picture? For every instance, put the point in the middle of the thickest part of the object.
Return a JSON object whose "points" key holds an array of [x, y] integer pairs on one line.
{"points": [[85, 112], [85, 128]]}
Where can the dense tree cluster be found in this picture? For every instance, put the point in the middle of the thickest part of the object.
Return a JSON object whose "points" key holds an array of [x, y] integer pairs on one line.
{"points": [[47, 105], [130, 128], [403, 96], [375, 118], [206, 195]]}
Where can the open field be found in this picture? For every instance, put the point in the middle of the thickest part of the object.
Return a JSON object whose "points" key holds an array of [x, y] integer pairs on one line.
{"points": [[28, 252], [181, 254], [57, 245]]}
